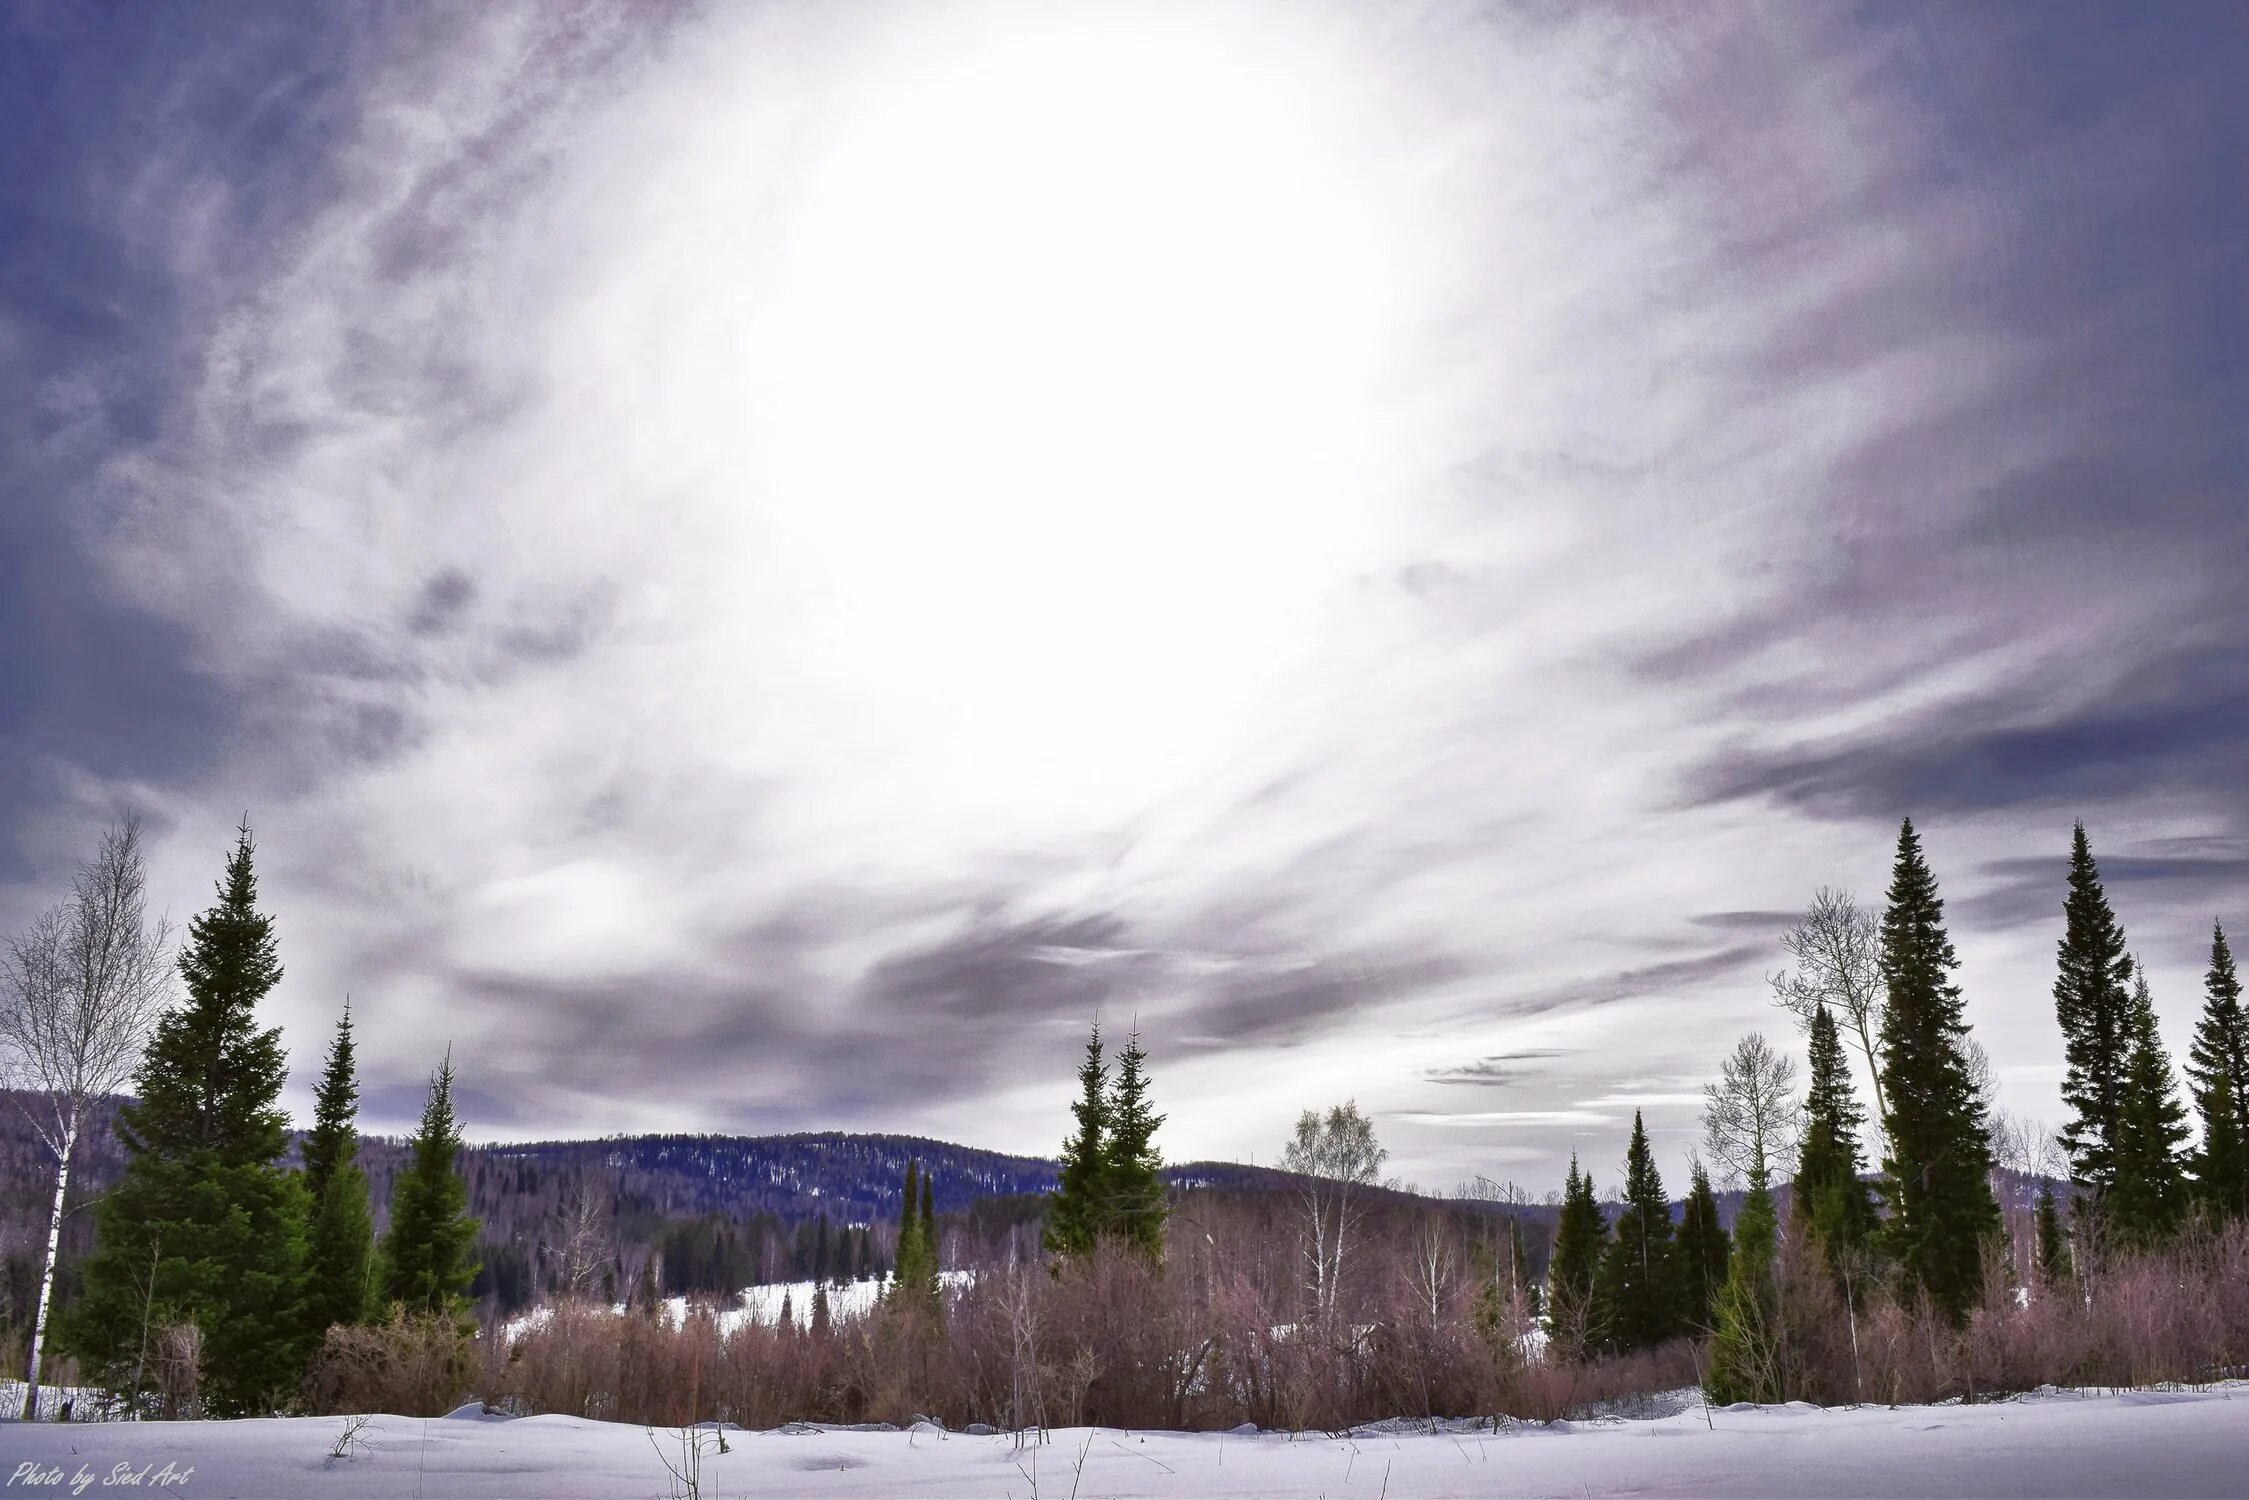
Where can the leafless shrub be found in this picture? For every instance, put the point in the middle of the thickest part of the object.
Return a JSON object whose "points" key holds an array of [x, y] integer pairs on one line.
{"points": [[416, 1365], [178, 1362], [351, 1436]]}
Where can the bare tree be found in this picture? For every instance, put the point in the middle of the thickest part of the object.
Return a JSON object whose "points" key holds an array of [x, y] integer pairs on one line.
{"points": [[1336, 1156], [79, 990], [581, 1239], [1750, 1115], [1433, 1266], [1838, 951]]}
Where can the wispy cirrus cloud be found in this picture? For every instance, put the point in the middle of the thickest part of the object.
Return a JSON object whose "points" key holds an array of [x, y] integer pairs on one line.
{"points": [[1701, 439]]}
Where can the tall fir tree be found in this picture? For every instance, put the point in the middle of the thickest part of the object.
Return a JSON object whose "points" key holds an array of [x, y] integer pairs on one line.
{"points": [[205, 1227], [1579, 1237], [1132, 1187], [340, 1256], [929, 1225], [1746, 1357], [913, 1276], [1828, 1201], [1701, 1251], [2218, 1070], [429, 1255], [1075, 1211], [2147, 1201], [1938, 1176], [2093, 1002], [2054, 1264], [1636, 1291]]}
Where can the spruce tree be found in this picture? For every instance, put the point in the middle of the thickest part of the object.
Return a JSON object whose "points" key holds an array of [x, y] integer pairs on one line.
{"points": [[340, 1257], [929, 1226], [1701, 1252], [913, 1280], [1938, 1176], [820, 1323], [906, 1258], [2147, 1201], [1579, 1236], [1829, 1202], [1132, 1188], [2053, 1242], [1636, 1290], [1746, 1358], [2092, 1000], [2218, 1069], [205, 1227], [1075, 1212], [429, 1255]]}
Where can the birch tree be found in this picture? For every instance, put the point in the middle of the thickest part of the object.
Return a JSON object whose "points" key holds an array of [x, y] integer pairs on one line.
{"points": [[79, 989], [1750, 1116], [1837, 945], [1337, 1158]]}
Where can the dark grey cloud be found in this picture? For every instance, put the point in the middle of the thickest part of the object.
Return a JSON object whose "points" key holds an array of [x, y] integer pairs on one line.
{"points": [[1853, 431], [1499, 1068], [2195, 735]]}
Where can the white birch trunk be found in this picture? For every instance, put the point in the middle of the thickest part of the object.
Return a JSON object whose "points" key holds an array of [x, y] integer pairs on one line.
{"points": [[47, 1276]]}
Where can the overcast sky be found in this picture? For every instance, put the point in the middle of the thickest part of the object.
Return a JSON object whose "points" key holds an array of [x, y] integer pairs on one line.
{"points": [[756, 566]]}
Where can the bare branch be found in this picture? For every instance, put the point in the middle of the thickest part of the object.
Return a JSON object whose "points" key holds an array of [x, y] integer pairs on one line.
{"points": [[1837, 946], [1751, 1115]]}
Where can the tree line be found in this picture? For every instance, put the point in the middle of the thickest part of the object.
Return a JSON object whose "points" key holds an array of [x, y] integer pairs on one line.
{"points": [[1888, 1268], [218, 1272]]}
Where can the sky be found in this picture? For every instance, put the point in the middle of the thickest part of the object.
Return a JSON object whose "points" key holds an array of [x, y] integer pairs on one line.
{"points": [[755, 567]]}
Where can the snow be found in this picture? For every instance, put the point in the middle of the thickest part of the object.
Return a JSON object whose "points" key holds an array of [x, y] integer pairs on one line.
{"points": [[51, 1399], [2143, 1443], [762, 1304]]}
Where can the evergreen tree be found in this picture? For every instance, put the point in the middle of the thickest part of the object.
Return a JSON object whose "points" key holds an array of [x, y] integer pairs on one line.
{"points": [[205, 1227], [1132, 1188], [820, 1252], [820, 1323], [429, 1255], [340, 1258], [2092, 1000], [929, 1225], [1702, 1251], [1746, 1358], [914, 1269], [2053, 1243], [1938, 1176], [1579, 1236], [2218, 1069], [2148, 1199], [1636, 1290], [1075, 1211], [1829, 1202]]}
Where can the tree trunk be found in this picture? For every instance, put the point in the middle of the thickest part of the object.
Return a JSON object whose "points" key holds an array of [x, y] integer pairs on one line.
{"points": [[47, 1276]]}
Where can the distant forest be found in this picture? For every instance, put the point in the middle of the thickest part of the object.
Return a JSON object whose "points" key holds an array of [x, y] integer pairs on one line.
{"points": [[716, 1213]]}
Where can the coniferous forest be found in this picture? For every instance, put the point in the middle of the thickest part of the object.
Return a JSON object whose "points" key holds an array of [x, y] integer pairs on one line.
{"points": [[1868, 1227]]}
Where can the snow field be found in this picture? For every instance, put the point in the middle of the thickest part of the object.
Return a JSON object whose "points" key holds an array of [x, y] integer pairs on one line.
{"points": [[2145, 1443]]}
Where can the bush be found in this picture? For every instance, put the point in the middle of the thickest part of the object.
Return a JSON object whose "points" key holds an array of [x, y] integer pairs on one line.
{"points": [[419, 1364]]}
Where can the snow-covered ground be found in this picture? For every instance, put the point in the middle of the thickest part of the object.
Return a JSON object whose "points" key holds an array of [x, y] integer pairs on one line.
{"points": [[2147, 1443], [763, 1303], [51, 1399]]}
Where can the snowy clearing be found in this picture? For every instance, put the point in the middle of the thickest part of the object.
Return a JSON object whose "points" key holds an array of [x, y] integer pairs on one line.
{"points": [[2145, 1443], [761, 1303]]}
